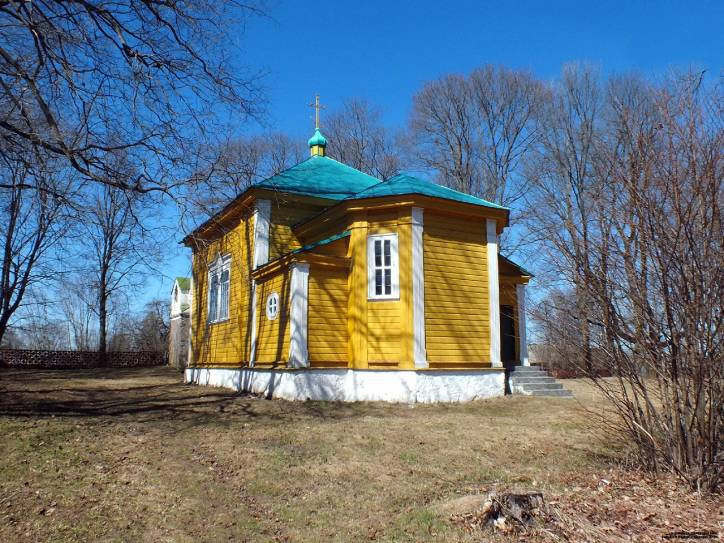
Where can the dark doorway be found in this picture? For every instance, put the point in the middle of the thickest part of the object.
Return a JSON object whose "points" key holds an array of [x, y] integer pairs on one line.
{"points": [[507, 342], [507, 336]]}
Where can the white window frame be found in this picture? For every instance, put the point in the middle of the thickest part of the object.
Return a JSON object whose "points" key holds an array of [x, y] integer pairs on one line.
{"points": [[372, 268], [216, 269], [273, 296]]}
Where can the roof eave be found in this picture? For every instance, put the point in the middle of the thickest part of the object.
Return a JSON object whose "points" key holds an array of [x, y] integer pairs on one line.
{"points": [[401, 200], [281, 264], [247, 198], [523, 272], [220, 217]]}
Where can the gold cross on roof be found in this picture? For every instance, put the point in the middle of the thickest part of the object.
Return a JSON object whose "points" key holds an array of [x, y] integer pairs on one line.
{"points": [[317, 106]]}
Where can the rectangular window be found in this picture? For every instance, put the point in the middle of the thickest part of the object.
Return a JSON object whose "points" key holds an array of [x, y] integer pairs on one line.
{"points": [[224, 295], [383, 274], [219, 283], [213, 296]]}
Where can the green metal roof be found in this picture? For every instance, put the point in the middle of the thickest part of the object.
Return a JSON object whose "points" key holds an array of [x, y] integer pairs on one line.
{"points": [[520, 268], [309, 247], [407, 184], [317, 139], [321, 242], [322, 177], [184, 283]]}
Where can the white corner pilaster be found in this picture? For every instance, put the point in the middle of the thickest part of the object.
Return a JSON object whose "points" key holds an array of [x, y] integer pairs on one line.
{"points": [[298, 309], [418, 288], [262, 219], [493, 293], [522, 332], [252, 339]]}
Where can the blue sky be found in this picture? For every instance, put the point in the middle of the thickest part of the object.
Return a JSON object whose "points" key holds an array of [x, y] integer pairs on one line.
{"points": [[385, 51]]}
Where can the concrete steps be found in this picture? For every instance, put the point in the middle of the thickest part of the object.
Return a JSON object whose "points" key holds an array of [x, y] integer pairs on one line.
{"points": [[533, 381]]}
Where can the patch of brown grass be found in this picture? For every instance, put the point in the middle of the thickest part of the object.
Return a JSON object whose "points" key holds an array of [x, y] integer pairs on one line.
{"points": [[137, 456]]}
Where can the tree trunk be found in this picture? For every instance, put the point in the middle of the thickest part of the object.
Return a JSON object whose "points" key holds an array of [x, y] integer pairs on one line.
{"points": [[102, 319], [3, 328]]}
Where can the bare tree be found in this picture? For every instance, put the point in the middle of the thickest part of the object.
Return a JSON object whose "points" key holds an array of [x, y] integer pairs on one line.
{"points": [[230, 168], [34, 216], [78, 304], [355, 134], [635, 229], [475, 131], [121, 329], [357, 137], [567, 187], [12, 339], [44, 331], [560, 334], [444, 135], [85, 79], [151, 332], [120, 240]]}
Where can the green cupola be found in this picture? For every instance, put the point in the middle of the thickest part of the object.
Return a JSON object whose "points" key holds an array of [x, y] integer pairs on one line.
{"points": [[317, 143]]}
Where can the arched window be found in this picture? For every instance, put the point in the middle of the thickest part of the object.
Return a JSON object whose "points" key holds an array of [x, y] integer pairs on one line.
{"points": [[219, 283], [272, 306]]}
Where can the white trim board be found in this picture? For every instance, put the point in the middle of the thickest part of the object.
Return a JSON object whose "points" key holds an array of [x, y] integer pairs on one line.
{"points": [[262, 221], [252, 339], [298, 310], [345, 385], [418, 288], [493, 293]]}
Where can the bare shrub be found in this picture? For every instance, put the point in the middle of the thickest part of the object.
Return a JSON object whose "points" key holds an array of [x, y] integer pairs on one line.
{"points": [[629, 188]]}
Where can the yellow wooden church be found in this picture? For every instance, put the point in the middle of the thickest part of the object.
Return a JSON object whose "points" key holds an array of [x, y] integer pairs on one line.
{"points": [[323, 282]]}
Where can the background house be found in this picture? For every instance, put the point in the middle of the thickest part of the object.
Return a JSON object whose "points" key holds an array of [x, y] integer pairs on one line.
{"points": [[180, 323]]}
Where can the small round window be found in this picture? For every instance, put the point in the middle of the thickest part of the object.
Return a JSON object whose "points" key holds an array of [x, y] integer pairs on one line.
{"points": [[272, 306]]}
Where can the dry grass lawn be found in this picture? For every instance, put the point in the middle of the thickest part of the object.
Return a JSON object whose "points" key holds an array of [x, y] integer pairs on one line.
{"points": [[134, 455]]}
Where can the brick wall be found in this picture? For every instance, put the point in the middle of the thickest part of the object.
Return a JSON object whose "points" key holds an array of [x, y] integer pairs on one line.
{"points": [[22, 358]]}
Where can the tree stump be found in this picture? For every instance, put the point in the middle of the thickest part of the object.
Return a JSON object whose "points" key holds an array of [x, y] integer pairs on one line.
{"points": [[507, 511]]}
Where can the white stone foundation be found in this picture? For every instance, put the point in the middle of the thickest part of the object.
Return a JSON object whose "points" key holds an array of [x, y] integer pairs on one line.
{"points": [[343, 385]]}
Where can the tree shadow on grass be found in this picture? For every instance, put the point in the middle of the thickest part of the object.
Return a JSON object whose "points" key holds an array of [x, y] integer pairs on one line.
{"points": [[147, 394], [16, 375]]}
